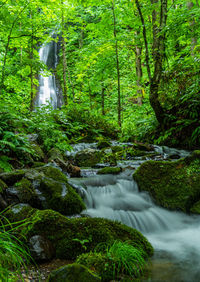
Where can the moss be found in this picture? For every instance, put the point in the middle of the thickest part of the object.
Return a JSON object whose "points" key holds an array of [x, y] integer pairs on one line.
{"points": [[37, 164], [136, 153], [100, 263], [54, 153], [73, 273], [103, 144], [61, 197], [62, 231], [110, 158], [142, 147], [116, 149], [38, 154], [53, 173], [19, 212], [26, 192], [110, 170], [12, 177], [88, 158], [3, 186], [173, 185]]}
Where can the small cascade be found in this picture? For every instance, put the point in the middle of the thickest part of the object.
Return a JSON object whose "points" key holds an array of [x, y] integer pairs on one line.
{"points": [[175, 236], [48, 91]]}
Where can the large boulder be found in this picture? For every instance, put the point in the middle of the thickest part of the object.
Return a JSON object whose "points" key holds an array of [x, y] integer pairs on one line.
{"points": [[88, 158], [45, 188], [173, 185], [72, 236], [103, 144], [73, 273]]}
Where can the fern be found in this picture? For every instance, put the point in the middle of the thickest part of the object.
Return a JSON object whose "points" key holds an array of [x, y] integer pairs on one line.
{"points": [[4, 163]]}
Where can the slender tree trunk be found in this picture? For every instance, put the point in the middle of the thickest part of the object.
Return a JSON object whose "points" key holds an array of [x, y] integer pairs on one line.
{"points": [[138, 65], [64, 61], [117, 64], [103, 99], [145, 39], [31, 75], [190, 6], [70, 81]]}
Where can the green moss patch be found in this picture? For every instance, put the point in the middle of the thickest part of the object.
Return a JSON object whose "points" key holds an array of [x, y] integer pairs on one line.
{"points": [[110, 170], [67, 235], [173, 185], [73, 273]]}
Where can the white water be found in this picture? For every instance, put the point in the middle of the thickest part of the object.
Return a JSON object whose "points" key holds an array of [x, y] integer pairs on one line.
{"points": [[175, 236], [48, 92]]}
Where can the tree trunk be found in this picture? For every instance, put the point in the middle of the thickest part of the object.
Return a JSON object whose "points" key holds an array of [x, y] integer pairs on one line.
{"points": [[138, 65], [103, 99], [159, 53], [117, 64], [64, 63], [190, 6], [145, 39]]}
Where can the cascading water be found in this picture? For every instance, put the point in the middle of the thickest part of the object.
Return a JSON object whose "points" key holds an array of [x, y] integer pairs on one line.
{"points": [[175, 236], [48, 91]]}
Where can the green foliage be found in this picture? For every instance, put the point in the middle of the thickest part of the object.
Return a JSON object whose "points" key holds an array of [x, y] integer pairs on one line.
{"points": [[12, 141], [4, 163], [115, 260], [13, 254]]}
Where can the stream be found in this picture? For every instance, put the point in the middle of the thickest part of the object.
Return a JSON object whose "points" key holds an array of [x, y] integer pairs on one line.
{"points": [[175, 236]]}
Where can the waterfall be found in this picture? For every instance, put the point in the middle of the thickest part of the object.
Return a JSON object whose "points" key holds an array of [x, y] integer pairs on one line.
{"points": [[48, 91]]}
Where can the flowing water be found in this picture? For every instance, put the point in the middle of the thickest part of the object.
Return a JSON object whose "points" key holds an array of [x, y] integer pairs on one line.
{"points": [[175, 236], [48, 91]]}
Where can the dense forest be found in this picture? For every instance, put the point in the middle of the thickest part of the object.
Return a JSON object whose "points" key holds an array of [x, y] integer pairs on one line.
{"points": [[74, 73]]}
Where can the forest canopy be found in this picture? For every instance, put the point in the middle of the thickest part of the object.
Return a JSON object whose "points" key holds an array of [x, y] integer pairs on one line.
{"points": [[136, 62]]}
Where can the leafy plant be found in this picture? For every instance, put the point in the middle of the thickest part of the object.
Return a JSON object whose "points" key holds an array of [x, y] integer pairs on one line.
{"points": [[115, 260], [4, 163], [13, 254]]}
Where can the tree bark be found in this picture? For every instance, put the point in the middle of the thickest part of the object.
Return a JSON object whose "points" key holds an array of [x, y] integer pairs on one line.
{"points": [[64, 62], [145, 39], [103, 99], [117, 64], [138, 66]]}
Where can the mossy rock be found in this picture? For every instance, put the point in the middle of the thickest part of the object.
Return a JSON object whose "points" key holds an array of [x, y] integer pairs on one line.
{"points": [[136, 153], [3, 186], [173, 185], [110, 170], [110, 158], [100, 263], [25, 192], [142, 147], [12, 177], [54, 153], [38, 154], [110, 267], [88, 158], [61, 197], [73, 273], [103, 144], [116, 149], [19, 212], [67, 234], [53, 173], [38, 164]]}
